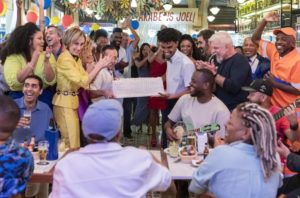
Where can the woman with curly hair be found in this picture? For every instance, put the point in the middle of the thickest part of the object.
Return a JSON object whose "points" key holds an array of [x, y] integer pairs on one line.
{"points": [[248, 165], [23, 56], [187, 46]]}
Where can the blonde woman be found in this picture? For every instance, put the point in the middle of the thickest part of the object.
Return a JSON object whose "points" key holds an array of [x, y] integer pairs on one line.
{"points": [[70, 77]]}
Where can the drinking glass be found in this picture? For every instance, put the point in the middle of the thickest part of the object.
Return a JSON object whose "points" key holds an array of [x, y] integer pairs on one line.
{"points": [[43, 147], [27, 116]]}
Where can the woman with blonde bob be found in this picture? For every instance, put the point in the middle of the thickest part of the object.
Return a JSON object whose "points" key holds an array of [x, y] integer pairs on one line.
{"points": [[70, 77]]}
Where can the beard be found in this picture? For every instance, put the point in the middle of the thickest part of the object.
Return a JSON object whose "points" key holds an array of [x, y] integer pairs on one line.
{"points": [[196, 93]]}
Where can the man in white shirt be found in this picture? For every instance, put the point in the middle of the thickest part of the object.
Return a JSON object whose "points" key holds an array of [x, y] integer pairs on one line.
{"points": [[102, 85], [104, 168], [259, 65], [116, 39], [199, 108], [180, 69]]}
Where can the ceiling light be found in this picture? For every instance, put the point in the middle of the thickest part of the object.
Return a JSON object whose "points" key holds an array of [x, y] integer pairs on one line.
{"points": [[176, 1], [167, 6], [240, 1], [72, 1], [89, 11], [97, 16], [214, 10], [133, 4], [211, 18]]}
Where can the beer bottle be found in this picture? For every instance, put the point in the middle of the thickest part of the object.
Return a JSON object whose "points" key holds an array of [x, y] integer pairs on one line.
{"points": [[206, 150]]}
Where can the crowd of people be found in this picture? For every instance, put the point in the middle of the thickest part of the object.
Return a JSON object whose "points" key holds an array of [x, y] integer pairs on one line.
{"points": [[67, 76]]}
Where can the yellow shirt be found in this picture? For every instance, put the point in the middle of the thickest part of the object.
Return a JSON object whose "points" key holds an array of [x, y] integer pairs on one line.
{"points": [[70, 77], [16, 62]]}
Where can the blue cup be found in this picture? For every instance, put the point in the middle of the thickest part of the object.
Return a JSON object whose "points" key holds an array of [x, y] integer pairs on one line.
{"points": [[52, 137]]}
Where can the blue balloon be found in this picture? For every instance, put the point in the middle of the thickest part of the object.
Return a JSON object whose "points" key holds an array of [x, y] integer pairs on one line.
{"points": [[47, 21], [61, 27], [194, 36], [131, 36], [86, 29], [135, 24], [47, 4]]}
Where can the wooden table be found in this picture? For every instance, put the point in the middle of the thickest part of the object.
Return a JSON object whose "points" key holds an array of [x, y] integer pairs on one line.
{"points": [[47, 177]]}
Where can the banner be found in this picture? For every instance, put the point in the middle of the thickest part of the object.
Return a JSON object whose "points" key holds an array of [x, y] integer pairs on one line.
{"points": [[175, 15]]}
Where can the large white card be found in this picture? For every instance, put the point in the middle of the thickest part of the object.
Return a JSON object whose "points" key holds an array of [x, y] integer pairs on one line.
{"points": [[137, 87]]}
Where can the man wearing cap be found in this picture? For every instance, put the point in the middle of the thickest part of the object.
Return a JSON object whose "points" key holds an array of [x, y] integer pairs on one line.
{"points": [[285, 62], [104, 168], [260, 92]]}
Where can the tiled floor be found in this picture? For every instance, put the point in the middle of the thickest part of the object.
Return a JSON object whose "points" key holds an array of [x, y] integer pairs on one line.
{"points": [[142, 138]]}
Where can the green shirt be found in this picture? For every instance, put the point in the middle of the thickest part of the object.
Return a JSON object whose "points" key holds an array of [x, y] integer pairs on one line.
{"points": [[16, 62]]}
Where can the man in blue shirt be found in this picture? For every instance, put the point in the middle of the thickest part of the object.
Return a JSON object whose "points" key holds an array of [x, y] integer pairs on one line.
{"points": [[16, 163], [40, 112]]}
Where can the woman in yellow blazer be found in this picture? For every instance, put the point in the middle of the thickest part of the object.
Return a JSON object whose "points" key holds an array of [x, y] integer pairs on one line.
{"points": [[70, 77]]}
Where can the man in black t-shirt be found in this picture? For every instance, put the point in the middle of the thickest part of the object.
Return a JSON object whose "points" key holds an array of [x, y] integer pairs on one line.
{"points": [[232, 73]]}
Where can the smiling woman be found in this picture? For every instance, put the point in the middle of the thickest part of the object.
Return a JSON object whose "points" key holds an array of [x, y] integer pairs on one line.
{"points": [[70, 77], [23, 55]]}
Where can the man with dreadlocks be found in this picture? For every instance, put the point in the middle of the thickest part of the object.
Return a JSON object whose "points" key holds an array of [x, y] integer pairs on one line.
{"points": [[247, 165]]}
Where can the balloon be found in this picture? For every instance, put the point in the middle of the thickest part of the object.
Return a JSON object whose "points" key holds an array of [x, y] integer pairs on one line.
{"points": [[47, 21], [67, 20], [54, 20], [61, 27], [47, 4], [4, 9], [31, 16], [95, 27], [131, 36], [135, 24], [1, 6], [86, 29], [194, 36]]}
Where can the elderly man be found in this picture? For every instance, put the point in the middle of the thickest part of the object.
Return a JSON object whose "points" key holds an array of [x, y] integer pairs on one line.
{"points": [[259, 65], [285, 62], [104, 168], [16, 163], [233, 72]]}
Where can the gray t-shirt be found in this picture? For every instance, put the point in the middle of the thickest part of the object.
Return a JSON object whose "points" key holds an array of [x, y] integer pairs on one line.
{"points": [[195, 114]]}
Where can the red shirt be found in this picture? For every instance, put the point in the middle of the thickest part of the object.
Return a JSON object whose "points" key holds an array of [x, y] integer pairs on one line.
{"points": [[281, 125]]}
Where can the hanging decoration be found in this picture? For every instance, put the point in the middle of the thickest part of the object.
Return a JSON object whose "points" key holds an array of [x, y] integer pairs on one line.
{"points": [[124, 4], [117, 9], [109, 5]]}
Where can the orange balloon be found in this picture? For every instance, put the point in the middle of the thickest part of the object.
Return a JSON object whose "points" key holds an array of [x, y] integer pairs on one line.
{"points": [[31, 16], [67, 20]]}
